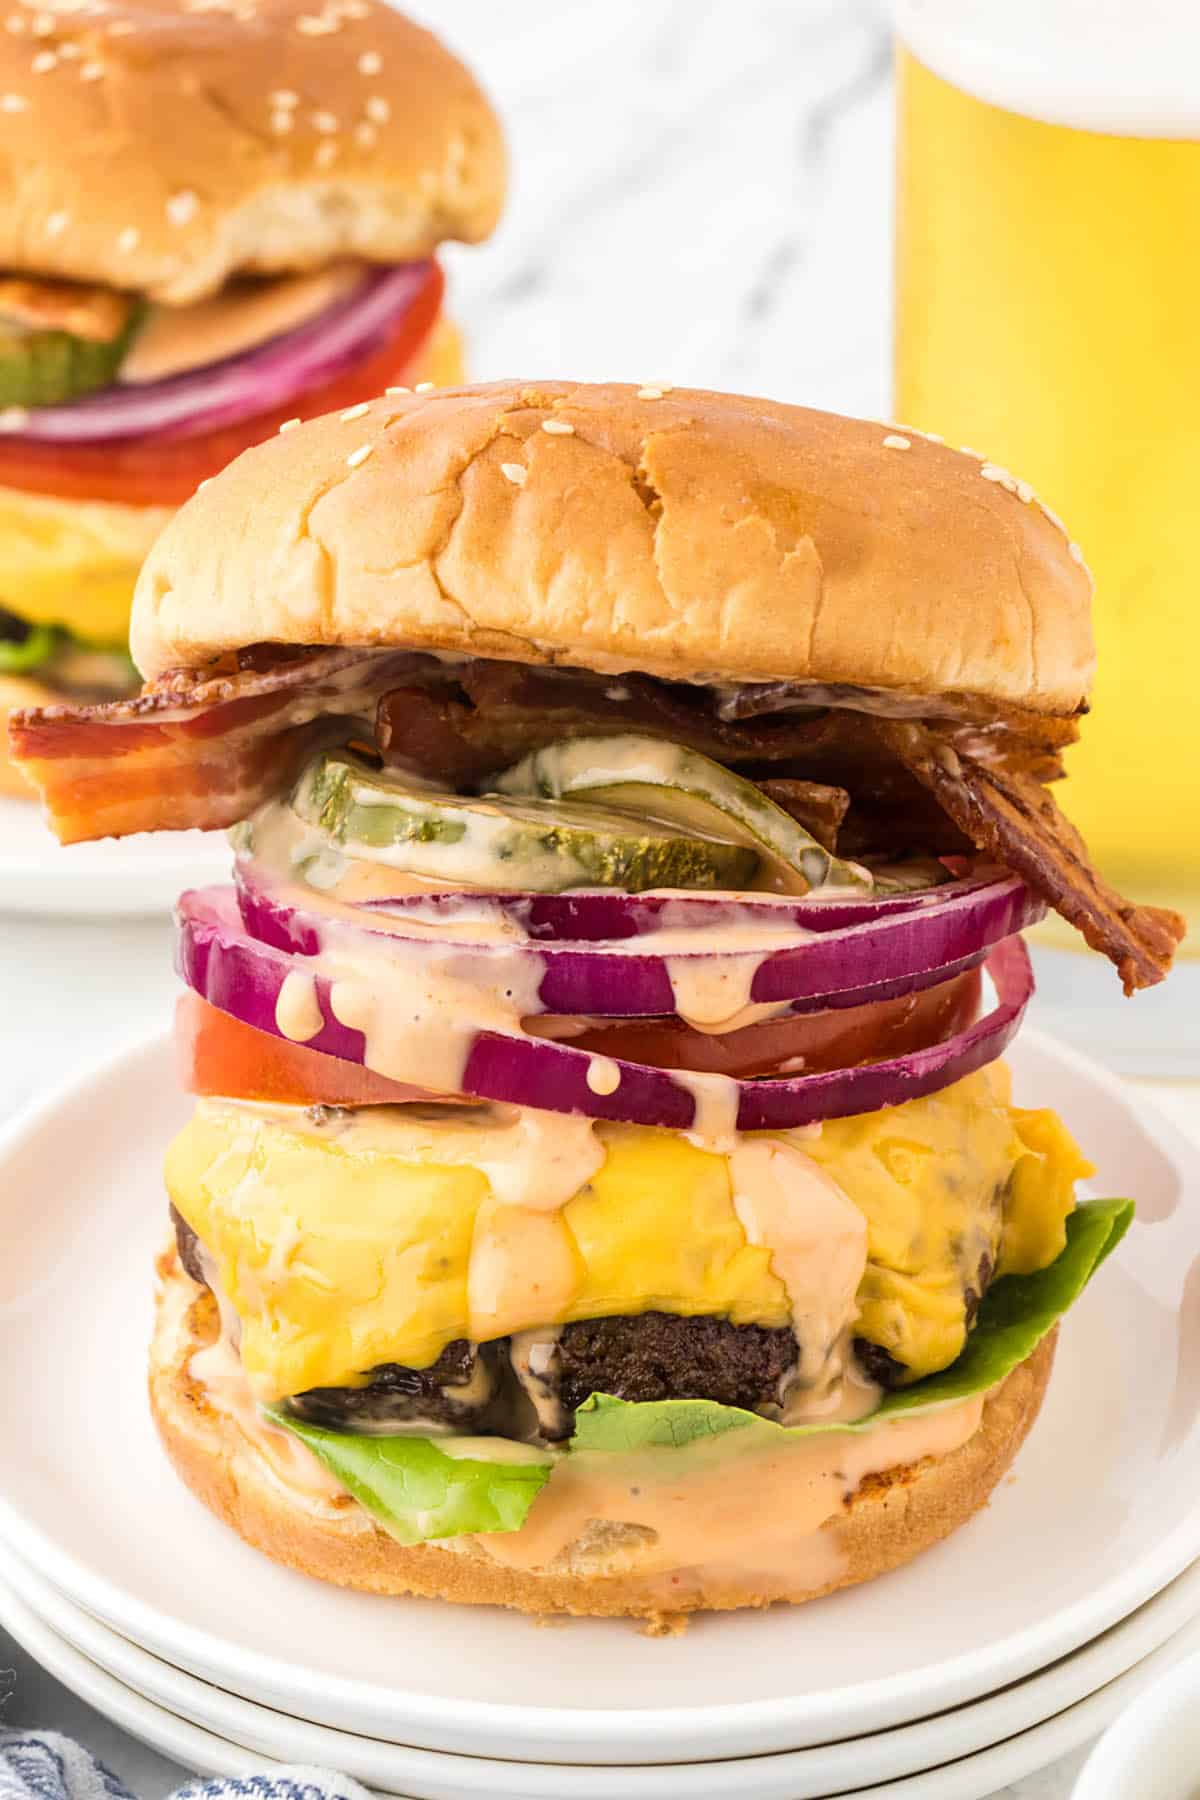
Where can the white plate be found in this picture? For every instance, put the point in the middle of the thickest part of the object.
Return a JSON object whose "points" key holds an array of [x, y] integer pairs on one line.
{"points": [[967, 1778], [1153, 1750], [171, 1736], [1100, 1516], [117, 877], [822, 1769]]}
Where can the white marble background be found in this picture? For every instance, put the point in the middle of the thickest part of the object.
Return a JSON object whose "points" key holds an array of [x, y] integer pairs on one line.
{"points": [[701, 194]]}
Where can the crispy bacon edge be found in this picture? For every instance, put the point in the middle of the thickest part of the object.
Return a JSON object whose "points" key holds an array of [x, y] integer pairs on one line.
{"points": [[194, 748], [1009, 814]]}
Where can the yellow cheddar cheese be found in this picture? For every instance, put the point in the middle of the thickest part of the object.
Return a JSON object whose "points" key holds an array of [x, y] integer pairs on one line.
{"points": [[373, 1238], [74, 562]]}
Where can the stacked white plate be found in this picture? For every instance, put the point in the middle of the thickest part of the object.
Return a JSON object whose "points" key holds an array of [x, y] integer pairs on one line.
{"points": [[131, 877], [994, 1654]]}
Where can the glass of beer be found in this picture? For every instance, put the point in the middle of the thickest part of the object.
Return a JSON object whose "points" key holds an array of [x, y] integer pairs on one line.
{"points": [[1048, 313]]}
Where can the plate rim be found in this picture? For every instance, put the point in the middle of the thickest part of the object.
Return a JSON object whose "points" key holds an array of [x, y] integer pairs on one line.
{"points": [[16, 1577], [34, 885], [949, 1682], [974, 1775]]}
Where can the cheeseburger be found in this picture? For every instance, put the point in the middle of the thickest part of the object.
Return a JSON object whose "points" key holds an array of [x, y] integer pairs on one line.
{"points": [[604, 1193], [216, 215]]}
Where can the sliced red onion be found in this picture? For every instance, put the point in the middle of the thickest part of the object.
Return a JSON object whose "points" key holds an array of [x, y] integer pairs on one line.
{"points": [[607, 980], [602, 913], [255, 381], [244, 977]]}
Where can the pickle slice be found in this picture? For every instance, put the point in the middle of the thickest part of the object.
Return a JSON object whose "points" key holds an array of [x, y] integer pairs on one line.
{"points": [[666, 782], [48, 368], [541, 846]]}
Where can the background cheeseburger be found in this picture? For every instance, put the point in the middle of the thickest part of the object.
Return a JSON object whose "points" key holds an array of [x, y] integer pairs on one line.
{"points": [[215, 215], [604, 1194]]}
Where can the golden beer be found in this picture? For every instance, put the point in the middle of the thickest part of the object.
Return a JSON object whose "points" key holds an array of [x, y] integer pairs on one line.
{"points": [[1048, 313]]}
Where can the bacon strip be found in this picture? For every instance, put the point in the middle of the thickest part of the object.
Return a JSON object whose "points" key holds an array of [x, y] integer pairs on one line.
{"points": [[193, 750], [1008, 813], [205, 751]]}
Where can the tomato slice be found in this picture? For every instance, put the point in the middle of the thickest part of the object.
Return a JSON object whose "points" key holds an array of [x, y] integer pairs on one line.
{"points": [[165, 471], [219, 1055], [796, 1044]]}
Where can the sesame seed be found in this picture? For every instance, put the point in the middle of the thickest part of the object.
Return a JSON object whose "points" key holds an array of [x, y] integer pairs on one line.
{"points": [[324, 121], [288, 425], [129, 239], [893, 441], [14, 418], [558, 427], [423, 387], [43, 25], [650, 393], [378, 109], [281, 122], [205, 481], [356, 9], [1054, 518], [370, 62], [326, 154], [284, 97], [69, 51], [355, 412], [56, 223], [931, 437], [15, 23], [44, 61], [366, 136], [514, 472], [1024, 492], [13, 103], [395, 392], [309, 26], [1076, 554], [91, 71], [1002, 478], [358, 457], [181, 207], [977, 454]]}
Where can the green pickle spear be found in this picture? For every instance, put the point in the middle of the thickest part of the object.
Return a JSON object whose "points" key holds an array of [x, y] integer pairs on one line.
{"points": [[671, 783], [544, 846], [50, 368]]}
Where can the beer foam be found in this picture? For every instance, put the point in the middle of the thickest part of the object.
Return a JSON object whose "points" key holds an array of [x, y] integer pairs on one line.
{"points": [[1097, 65]]}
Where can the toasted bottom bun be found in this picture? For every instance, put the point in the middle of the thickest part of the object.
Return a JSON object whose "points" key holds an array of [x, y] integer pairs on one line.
{"points": [[17, 691], [886, 1521], [611, 1566]]}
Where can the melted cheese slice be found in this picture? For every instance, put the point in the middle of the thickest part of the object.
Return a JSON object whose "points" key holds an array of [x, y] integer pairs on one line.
{"points": [[74, 562], [379, 1238]]}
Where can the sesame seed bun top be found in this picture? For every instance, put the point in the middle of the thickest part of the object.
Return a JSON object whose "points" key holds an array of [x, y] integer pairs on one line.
{"points": [[691, 535], [163, 145]]}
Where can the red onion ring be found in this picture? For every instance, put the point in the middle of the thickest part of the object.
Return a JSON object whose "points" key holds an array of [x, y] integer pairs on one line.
{"points": [[255, 381], [602, 913], [607, 980], [243, 977]]}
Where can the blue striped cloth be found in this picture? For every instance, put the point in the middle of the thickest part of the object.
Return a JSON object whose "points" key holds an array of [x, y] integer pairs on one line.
{"points": [[43, 1765]]}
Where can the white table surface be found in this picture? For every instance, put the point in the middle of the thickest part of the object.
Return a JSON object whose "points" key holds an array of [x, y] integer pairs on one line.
{"points": [[701, 194]]}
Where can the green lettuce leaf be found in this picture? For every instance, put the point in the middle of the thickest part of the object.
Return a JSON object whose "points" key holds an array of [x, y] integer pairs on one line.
{"points": [[1016, 1313], [416, 1491], [35, 648]]}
